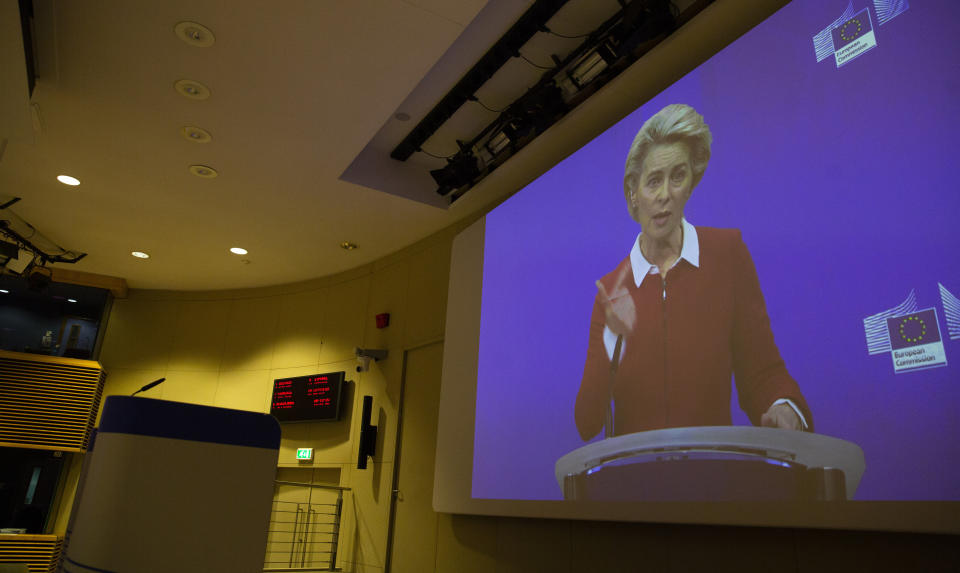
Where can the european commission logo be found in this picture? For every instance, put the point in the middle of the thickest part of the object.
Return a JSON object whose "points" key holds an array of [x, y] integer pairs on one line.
{"points": [[853, 38], [912, 336], [852, 34], [915, 342]]}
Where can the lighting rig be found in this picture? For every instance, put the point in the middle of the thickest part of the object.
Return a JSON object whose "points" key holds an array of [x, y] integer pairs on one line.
{"points": [[605, 52], [25, 251]]}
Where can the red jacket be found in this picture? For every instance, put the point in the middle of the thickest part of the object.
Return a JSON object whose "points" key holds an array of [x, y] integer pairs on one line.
{"points": [[692, 332]]}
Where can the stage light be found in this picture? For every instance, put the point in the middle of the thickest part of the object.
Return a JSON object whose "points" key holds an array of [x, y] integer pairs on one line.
{"points": [[497, 143], [462, 169]]}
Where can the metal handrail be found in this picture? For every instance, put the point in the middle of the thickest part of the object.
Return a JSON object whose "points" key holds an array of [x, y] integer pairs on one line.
{"points": [[313, 485], [309, 521]]}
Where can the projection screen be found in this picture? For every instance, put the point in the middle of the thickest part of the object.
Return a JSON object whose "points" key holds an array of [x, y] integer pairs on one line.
{"points": [[816, 277]]}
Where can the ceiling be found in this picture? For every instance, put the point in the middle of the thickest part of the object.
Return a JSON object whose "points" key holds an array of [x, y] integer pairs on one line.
{"points": [[299, 90]]}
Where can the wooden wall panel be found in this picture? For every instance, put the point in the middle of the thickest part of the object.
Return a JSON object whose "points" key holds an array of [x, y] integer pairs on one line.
{"points": [[48, 402], [39, 552]]}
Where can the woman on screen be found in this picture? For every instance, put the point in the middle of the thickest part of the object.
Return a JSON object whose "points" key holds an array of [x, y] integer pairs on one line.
{"points": [[683, 311]]}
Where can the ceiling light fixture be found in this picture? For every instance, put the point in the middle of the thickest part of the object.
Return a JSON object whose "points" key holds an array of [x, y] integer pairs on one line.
{"points": [[204, 171], [238, 250], [192, 89], [348, 246], [140, 255], [71, 300], [197, 35], [67, 180], [4, 291], [196, 134]]}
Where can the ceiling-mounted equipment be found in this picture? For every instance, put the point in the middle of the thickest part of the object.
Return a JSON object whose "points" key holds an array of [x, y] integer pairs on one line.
{"points": [[26, 31], [508, 46], [605, 52], [39, 278], [30, 242]]}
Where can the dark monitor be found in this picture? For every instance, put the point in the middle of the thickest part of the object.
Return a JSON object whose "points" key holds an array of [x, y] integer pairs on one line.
{"points": [[307, 398]]}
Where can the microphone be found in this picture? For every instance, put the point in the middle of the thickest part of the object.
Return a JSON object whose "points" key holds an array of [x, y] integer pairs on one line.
{"points": [[608, 423], [148, 386]]}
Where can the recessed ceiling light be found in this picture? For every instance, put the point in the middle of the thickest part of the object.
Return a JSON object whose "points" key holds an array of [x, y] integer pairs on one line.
{"points": [[196, 134], [67, 180], [348, 246], [4, 291], [204, 171], [238, 250], [197, 35], [192, 89], [71, 300], [140, 255]]}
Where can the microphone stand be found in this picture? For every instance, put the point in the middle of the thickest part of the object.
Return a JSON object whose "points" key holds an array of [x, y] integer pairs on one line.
{"points": [[614, 365]]}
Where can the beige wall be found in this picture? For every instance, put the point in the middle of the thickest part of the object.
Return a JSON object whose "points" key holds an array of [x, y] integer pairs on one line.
{"points": [[226, 348]]}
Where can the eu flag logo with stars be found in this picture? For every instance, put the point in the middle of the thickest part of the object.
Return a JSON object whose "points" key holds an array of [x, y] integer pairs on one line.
{"points": [[915, 342], [853, 37], [852, 29], [913, 329]]}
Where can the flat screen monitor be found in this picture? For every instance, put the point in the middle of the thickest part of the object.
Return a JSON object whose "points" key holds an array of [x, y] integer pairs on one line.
{"points": [[307, 398]]}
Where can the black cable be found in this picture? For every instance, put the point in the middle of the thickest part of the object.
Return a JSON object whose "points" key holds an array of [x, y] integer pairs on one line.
{"points": [[534, 64], [549, 31], [485, 106], [425, 152]]}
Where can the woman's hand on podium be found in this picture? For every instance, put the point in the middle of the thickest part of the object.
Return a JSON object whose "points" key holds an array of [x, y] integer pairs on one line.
{"points": [[781, 416]]}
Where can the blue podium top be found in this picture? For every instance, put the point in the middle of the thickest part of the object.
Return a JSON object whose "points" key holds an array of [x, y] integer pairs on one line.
{"points": [[178, 420]]}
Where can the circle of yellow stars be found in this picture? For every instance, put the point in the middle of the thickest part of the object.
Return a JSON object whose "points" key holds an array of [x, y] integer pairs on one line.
{"points": [[923, 329], [843, 30]]}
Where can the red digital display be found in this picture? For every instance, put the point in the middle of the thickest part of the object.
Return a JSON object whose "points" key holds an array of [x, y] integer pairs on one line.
{"points": [[314, 397]]}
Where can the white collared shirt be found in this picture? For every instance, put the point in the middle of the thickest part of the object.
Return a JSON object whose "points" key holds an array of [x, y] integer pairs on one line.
{"points": [[690, 252]]}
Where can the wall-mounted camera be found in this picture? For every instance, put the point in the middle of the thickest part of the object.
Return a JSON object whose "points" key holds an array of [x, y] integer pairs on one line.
{"points": [[365, 355]]}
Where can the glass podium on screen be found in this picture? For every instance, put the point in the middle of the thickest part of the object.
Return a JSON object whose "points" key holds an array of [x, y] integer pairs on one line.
{"points": [[713, 463]]}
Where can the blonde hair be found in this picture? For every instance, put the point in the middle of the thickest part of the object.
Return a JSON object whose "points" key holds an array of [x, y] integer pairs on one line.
{"points": [[676, 122]]}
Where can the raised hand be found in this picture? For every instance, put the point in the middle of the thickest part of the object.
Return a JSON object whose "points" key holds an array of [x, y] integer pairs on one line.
{"points": [[619, 310]]}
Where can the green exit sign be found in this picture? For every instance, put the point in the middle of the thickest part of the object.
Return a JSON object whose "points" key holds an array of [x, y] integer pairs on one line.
{"points": [[304, 453]]}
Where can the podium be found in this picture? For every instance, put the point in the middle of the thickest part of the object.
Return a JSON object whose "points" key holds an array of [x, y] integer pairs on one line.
{"points": [[174, 487], [713, 463]]}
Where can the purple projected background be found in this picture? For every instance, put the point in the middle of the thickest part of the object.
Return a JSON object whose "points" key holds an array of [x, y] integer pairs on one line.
{"points": [[843, 181]]}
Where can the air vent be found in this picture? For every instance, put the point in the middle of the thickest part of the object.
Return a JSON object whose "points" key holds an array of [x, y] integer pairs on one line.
{"points": [[48, 402]]}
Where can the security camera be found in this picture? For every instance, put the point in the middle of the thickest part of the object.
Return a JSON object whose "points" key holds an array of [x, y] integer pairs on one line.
{"points": [[365, 355]]}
